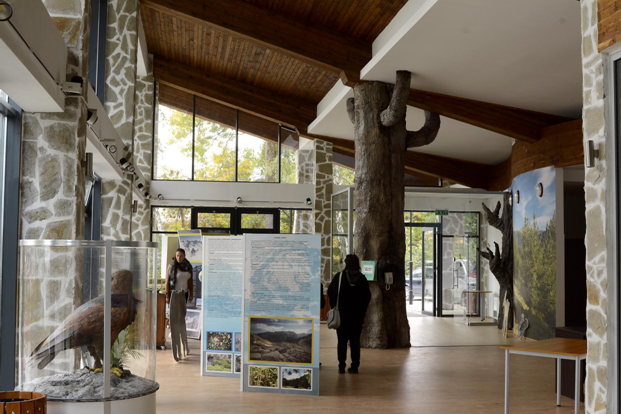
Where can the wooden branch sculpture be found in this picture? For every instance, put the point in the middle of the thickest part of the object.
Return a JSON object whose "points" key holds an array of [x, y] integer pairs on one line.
{"points": [[378, 112], [501, 264]]}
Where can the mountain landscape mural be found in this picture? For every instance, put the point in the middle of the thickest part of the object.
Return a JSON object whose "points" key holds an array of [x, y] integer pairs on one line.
{"points": [[281, 340], [534, 239]]}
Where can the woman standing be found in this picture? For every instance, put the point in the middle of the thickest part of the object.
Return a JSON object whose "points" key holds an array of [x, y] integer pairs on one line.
{"points": [[179, 277], [350, 289]]}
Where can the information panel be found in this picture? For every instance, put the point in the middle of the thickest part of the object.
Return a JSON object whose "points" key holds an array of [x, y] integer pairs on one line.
{"points": [[281, 313], [222, 306]]}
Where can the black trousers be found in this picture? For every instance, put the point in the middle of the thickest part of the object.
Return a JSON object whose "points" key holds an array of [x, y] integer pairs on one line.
{"points": [[351, 335]]}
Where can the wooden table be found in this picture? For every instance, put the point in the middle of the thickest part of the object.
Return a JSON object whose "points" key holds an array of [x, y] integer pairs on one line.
{"points": [[558, 348]]}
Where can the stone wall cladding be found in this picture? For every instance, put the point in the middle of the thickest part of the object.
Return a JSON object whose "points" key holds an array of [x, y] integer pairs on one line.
{"points": [[323, 204], [304, 220], [120, 95], [143, 149], [594, 128]]}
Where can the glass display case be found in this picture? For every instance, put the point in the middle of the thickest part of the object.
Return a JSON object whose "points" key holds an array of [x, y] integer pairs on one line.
{"points": [[87, 319]]}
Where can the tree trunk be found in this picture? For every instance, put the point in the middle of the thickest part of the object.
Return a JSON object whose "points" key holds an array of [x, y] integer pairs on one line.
{"points": [[501, 264], [379, 229], [378, 113]]}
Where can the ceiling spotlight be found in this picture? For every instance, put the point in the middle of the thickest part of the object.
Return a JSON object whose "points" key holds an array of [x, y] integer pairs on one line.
{"points": [[140, 186], [6, 11], [131, 168], [124, 163], [147, 195], [92, 117], [309, 201], [111, 148], [239, 200], [160, 197]]}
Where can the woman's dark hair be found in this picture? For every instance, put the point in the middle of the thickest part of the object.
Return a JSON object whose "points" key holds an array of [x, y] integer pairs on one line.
{"points": [[352, 262], [181, 250]]}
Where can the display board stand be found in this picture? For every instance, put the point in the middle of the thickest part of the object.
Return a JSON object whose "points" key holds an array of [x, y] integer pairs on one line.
{"points": [[281, 314], [222, 305]]}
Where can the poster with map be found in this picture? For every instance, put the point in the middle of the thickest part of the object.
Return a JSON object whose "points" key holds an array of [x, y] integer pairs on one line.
{"points": [[281, 309], [222, 306]]}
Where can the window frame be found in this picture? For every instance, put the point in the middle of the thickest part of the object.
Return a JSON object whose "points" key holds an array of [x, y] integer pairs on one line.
{"points": [[10, 237], [192, 174]]}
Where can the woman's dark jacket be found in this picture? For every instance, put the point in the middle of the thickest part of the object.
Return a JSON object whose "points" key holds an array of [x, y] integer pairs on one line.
{"points": [[354, 299]]}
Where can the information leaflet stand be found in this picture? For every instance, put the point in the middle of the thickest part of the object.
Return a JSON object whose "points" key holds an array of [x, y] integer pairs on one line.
{"points": [[281, 314], [222, 306]]}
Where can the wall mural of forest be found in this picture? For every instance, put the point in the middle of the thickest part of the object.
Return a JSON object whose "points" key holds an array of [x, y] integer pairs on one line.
{"points": [[534, 239]]}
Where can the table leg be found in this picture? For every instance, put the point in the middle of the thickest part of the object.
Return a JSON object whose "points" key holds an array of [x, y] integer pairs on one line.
{"points": [[506, 381], [558, 382], [577, 393]]}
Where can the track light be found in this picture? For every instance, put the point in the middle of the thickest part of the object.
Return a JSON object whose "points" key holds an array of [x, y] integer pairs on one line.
{"points": [[239, 200], [125, 164], [147, 195], [92, 117], [160, 197], [309, 201], [6, 11], [140, 186], [111, 148], [131, 168]]}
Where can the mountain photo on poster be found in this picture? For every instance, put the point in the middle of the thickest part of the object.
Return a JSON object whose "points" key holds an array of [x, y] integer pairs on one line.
{"points": [[285, 340], [297, 378]]}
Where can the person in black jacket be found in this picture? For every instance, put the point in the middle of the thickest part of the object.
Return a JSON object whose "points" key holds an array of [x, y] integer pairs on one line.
{"points": [[353, 302]]}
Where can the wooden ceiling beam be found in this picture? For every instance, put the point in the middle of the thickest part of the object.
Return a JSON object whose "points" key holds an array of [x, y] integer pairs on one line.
{"points": [[467, 173], [311, 44], [516, 123], [257, 101]]}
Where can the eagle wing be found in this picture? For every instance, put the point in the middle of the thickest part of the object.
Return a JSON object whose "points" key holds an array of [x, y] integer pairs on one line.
{"points": [[83, 327]]}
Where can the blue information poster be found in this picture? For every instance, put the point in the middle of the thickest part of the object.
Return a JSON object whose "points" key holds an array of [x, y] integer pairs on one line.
{"points": [[222, 306], [281, 313]]}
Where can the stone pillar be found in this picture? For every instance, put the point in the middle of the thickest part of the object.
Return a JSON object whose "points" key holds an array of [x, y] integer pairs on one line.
{"points": [[143, 148], [597, 261], [303, 220], [52, 190], [52, 184], [323, 204], [119, 101]]}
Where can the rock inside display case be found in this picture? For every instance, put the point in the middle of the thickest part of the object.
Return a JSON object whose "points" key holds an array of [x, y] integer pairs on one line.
{"points": [[87, 324]]}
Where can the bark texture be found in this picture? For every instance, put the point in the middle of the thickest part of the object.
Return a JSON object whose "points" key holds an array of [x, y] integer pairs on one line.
{"points": [[501, 264], [378, 113]]}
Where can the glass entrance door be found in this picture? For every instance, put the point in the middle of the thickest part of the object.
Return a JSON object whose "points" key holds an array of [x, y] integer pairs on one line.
{"points": [[429, 241]]}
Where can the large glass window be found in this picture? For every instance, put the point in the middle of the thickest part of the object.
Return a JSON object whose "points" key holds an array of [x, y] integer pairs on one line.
{"points": [[198, 139], [343, 175], [166, 221], [214, 146]]}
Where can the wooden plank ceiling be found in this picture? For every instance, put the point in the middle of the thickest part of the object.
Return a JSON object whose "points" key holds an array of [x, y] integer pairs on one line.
{"points": [[182, 32]]}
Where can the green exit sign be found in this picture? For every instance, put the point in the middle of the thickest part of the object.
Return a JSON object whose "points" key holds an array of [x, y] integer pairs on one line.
{"points": [[441, 212]]}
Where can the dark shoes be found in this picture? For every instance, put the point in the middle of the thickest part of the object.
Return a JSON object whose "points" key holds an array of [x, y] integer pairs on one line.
{"points": [[352, 370], [341, 370]]}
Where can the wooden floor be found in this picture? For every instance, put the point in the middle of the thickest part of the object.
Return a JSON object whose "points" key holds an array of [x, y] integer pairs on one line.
{"points": [[449, 369]]}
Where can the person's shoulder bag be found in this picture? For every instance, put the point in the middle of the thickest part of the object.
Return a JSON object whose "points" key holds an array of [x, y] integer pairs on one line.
{"points": [[334, 316]]}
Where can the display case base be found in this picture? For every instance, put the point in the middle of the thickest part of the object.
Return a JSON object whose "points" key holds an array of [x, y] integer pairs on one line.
{"points": [[139, 405]]}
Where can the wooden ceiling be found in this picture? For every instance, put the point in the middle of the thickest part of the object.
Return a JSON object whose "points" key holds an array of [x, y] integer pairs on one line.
{"points": [[209, 36]]}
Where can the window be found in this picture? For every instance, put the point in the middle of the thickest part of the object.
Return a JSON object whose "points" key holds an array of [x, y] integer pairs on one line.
{"points": [[201, 140], [166, 221], [10, 156], [298, 221], [343, 175]]}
